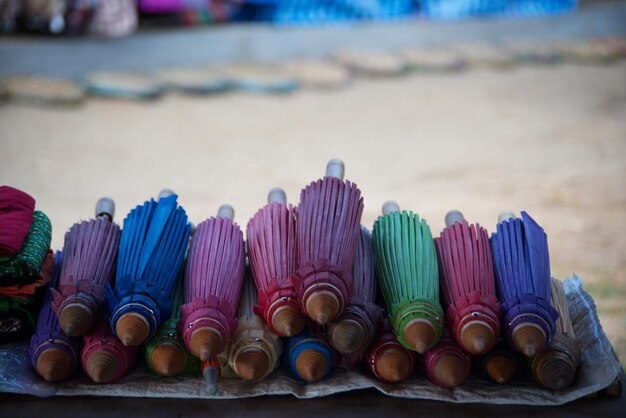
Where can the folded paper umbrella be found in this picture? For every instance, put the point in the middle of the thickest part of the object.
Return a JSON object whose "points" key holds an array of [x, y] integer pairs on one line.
{"points": [[387, 358], [468, 284], [104, 358], [522, 266], [165, 353], [500, 365], [329, 217], [53, 354], [213, 281], [354, 330], [406, 266], [555, 368], [152, 248], [308, 358], [271, 236], [446, 364], [89, 257], [254, 351]]}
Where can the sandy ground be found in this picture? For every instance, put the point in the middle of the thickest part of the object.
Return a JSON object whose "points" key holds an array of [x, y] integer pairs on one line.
{"points": [[551, 141]]}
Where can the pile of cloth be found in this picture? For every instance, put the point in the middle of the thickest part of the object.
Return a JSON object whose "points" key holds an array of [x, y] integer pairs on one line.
{"points": [[26, 263]]}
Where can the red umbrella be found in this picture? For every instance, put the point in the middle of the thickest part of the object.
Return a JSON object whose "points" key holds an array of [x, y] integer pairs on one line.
{"points": [[271, 236], [328, 222], [447, 365], [468, 284], [388, 359], [213, 280]]}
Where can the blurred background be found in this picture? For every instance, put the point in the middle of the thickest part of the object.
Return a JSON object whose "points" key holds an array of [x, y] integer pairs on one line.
{"points": [[438, 104]]}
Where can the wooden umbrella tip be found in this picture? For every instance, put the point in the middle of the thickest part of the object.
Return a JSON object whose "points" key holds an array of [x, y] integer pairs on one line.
{"points": [[311, 365], [252, 364], [205, 343], [322, 307], [288, 321], [477, 337], [393, 365], [54, 364], [167, 360], [419, 334], [76, 319], [102, 366], [348, 336], [501, 368], [529, 339], [556, 371], [450, 370], [132, 329]]}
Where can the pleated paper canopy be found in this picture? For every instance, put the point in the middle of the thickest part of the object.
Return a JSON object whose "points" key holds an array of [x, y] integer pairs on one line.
{"points": [[152, 249], [406, 266], [271, 236], [329, 215], [90, 255], [522, 266]]}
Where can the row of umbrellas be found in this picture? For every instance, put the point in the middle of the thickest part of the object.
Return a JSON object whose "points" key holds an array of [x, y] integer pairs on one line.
{"points": [[310, 296], [290, 75]]}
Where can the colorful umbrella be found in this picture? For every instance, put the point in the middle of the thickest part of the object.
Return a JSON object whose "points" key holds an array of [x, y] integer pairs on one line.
{"points": [[104, 358], [329, 216], [555, 368], [387, 358], [213, 280], [406, 266], [522, 266], [447, 365], [152, 248], [500, 365], [468, 284], [271, 236], [53, 354], [308, 358], [89, 256], [254, 351], [354, 330], [165, 353]]}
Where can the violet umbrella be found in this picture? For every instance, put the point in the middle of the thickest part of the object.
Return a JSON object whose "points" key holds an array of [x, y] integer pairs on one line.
{"points": [[53, 354], [468, 284], [522, 266], [89, 258], [271, 236], [329, 216], [353, 331], [213, 281], [152, 249]]}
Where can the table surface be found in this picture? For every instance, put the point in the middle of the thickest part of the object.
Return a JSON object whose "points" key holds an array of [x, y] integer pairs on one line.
{"points": [[365, 403]]}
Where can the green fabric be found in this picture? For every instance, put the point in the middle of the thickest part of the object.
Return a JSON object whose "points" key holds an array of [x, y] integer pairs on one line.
{"points": [[24, 305], [28, 262], [408, 274], [169, 334]]}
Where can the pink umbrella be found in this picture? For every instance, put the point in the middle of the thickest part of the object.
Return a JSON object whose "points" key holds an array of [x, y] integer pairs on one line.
{"points": [[387, 358], [213, 280], [329, 215], [468, 283], [447, 365], [272, 253]]}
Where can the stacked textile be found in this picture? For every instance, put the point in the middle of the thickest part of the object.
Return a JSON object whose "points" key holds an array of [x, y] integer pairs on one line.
{"points": [[26, 263]]}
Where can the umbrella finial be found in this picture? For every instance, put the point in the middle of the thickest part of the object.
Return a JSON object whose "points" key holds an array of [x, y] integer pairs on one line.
{"points": [[394, 365], [165, 193], [390, 206], [252, 364], [132, 329], [348, 336], [288, 321], [311, 365], [277, 195], [54, 364], [450, 370], [529, 339], [501, 367], [205, 343], [420, 334], [76, 319], [454, 216], [506, 215], [226, 211], [105, 207], [167, 360], [335, 168], [322, 306], [102, 366]]}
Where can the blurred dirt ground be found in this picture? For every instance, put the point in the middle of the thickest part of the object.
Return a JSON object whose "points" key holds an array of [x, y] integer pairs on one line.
{"points": [[549, 140]]}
